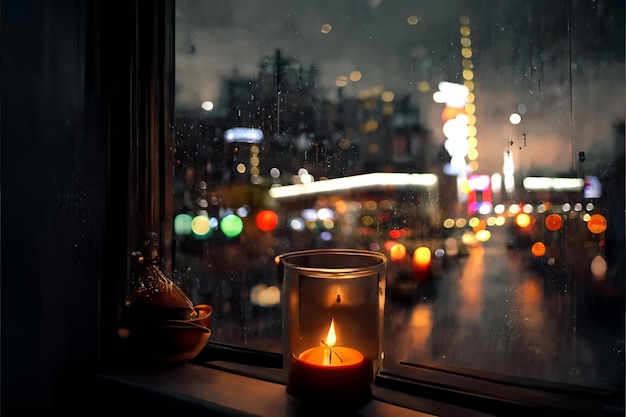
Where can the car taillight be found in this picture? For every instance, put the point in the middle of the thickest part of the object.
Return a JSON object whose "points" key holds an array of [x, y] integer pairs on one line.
{"points": [[422, 257], [522, 220]]}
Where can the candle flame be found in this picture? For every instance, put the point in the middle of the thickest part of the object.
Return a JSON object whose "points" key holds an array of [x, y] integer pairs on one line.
{"points": [[331, 338]]}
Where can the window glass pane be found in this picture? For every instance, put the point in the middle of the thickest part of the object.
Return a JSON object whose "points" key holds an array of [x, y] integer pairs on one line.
{"points": [[498, 129]]}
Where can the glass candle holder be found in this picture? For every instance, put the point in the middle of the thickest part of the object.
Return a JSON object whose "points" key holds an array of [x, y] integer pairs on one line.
{"points": [[333, 322]]}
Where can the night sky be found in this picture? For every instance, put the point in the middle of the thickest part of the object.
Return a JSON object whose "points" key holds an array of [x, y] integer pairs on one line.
{"points": [[521, 55]]}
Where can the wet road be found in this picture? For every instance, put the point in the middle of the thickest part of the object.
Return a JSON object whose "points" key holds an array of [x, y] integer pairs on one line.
{"points": [[489, 312]]}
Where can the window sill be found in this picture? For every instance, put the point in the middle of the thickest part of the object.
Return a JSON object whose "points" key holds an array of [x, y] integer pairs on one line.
{"points": [[215, 391]]}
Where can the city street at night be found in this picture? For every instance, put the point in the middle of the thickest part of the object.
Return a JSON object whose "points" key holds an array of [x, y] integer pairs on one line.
{"points": [[489, 312]]}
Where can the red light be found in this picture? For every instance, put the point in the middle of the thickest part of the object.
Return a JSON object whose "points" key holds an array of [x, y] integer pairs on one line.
{"points": [[395, 233], [554, 222], [266, 220]]}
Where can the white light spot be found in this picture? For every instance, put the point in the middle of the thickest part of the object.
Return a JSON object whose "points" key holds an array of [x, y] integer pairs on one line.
{"points": [[207, 105], [515, 119]]}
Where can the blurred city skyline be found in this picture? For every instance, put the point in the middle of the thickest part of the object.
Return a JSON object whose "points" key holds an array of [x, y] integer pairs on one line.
{"points": [[566, 73]]}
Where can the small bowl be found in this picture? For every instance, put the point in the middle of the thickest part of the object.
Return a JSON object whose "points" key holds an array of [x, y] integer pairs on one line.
{"points": [[178, 342], [203, 318]]}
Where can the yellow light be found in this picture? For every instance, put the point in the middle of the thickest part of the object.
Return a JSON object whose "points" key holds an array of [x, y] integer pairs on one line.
{"points": [[397, 252], [473, 222], [341, 81], [472, 154], [466, 53], [355, 75], [470, 108], [412, 20], [421, 256], [423, 86], [448, 223], [200, 225], [461, 223], [371, 205], [481, 225], [469, 85], [387, 111], [483, 235], [465, 41], [326, 28], [387, 96], [473, 142], [522, 220], [465, 31], [367, 220], [464, 187]]}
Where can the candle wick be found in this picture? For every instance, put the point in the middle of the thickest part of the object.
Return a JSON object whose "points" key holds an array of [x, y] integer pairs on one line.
{"points": [[330, 354]]}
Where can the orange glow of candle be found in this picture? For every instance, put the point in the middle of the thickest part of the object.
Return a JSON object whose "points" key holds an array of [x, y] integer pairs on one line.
{"points": [[331, 338], [329, 355], [330, 372]]}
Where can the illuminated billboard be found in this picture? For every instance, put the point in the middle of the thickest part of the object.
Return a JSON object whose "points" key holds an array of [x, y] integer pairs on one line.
{"points": [[243, 134], [479, 196]]}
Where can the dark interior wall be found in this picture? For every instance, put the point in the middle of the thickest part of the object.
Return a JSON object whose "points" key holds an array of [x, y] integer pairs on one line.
{"points": [[54, 188], [85, 119]]}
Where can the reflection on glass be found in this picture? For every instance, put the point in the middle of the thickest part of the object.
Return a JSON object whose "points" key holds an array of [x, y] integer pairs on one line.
{"points": [[471, 132]]}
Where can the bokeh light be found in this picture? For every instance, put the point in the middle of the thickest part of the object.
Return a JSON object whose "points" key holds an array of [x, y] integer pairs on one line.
{"points": [[538, 249], [553, 222], [231, 225], [397, 252], [422, 257], [522, 220], [201, 226], [515, 119], [266, 220], [355, 76], [598, 268], [596, 224], [182, 224], [483, 235]]}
